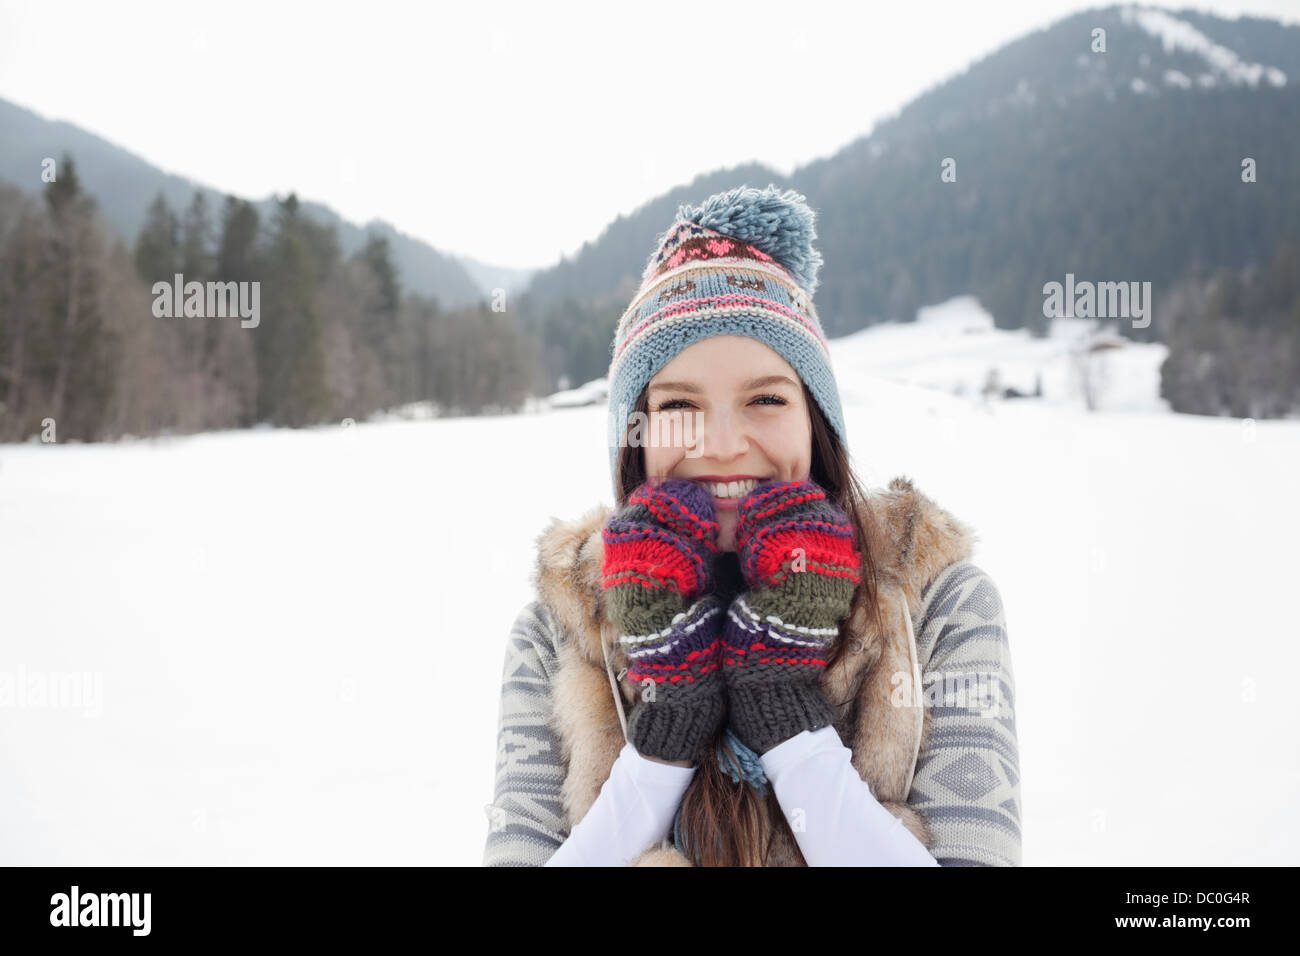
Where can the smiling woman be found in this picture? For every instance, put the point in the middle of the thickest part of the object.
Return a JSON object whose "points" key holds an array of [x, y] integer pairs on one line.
{"points": [[749, 427], [727, 667]]}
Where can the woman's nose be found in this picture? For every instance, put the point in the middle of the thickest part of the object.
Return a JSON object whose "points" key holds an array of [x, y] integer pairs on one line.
{"points": [[721, 437]]}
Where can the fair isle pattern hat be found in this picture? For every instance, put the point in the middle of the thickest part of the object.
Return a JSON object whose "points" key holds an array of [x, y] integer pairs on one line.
{"points": [[741, 263]]}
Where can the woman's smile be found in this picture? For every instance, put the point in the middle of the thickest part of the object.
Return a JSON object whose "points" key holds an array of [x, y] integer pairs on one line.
{"points": [[727, 494]]}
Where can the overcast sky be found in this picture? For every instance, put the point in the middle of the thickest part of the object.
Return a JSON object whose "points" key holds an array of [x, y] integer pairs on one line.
{"points": [[508, 132]]}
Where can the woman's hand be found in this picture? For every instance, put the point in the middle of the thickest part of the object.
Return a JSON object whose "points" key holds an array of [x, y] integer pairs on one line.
{"points": [[658, 574], [800, 564]]}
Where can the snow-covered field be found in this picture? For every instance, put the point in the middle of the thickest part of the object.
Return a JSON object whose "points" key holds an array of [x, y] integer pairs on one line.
{"points": [[292, 641]]}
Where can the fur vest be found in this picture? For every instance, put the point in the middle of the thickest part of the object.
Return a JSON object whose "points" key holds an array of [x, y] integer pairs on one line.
{"points": [[911, 540]]}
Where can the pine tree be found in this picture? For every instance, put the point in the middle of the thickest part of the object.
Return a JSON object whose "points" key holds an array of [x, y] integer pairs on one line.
{"points": [[22, 304], [377, 255], [289, 341], [237, 251], [75, 256], [197, 258], [379, 330], [157, 250]]}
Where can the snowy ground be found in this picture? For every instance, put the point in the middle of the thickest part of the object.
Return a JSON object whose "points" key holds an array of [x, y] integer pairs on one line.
{"points": [[298, 635]]}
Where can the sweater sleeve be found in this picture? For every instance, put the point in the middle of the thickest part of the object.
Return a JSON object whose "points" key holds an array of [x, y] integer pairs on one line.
{"points": [[526, 819], [633, 812], [834, 817], [527, 825], [967, 780]]}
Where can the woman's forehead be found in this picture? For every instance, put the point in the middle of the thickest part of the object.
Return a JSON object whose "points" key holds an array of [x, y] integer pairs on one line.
{"points": [[724, 360]]}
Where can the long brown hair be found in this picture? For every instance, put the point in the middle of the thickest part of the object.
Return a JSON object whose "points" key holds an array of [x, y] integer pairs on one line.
{"points": [[727, 823]]}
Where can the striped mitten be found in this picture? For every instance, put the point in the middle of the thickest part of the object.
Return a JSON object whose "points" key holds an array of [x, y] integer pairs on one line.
{"points": [[801, 567], [658, 574]]}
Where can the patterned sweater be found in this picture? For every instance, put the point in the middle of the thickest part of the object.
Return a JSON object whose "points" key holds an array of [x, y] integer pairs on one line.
{"points": [[967, 782]]}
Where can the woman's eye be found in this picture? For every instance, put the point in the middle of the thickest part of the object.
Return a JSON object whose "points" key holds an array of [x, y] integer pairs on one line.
{"points": [[765, 399]]}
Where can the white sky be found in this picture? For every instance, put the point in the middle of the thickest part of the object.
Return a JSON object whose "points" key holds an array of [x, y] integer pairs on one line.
{"points": [[511, 132]]}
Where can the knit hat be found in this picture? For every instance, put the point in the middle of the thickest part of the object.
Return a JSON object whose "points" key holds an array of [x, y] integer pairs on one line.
{"points": [[740, 263]]}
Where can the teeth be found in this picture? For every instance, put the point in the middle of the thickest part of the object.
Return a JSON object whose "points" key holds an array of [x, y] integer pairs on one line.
{"points": [[733, 489]]}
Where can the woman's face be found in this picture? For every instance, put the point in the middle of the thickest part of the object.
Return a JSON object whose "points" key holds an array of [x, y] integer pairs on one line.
{"points": [[728, 407]]}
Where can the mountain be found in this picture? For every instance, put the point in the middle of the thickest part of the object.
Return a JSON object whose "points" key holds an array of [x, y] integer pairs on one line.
{"points": [[611, 263], [489, 277], [123, 184], [1122, 165], [571, 308]]}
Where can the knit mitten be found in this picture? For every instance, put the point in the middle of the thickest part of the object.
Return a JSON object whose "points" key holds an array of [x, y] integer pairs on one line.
{"points": [[657, 574], [801, 567]]}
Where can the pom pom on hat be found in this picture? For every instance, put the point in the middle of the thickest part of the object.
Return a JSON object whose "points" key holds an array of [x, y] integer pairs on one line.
{"points": [[778, 224]]}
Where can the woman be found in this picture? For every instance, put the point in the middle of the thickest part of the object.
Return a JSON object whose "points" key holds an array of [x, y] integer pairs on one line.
{"points": [[751, 661]]}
